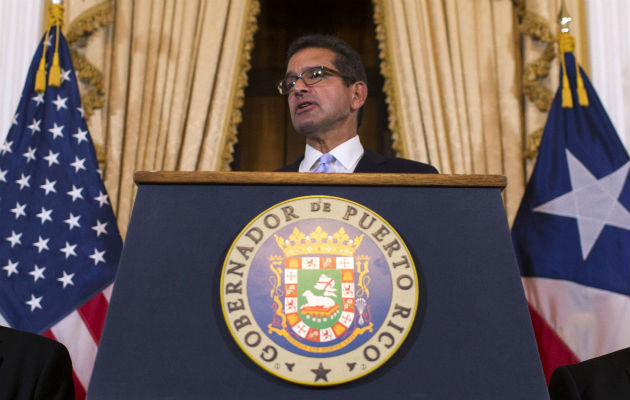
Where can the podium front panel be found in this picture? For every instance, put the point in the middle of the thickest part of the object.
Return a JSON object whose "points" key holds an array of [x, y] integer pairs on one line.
{"points": [[165, 335]]}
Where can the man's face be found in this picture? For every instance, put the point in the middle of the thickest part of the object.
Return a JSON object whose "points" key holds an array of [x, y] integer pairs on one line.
{"points": [[321, 107]]}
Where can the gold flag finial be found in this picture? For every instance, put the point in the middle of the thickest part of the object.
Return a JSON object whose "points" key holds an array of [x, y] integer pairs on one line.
{"points": [[564, 19]]}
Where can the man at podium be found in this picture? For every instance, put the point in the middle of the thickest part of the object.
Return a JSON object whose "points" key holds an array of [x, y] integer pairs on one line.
{"points": [[326, 87]]}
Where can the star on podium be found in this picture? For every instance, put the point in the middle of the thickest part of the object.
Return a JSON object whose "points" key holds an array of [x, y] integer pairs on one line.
{"points": [[321, 373]]}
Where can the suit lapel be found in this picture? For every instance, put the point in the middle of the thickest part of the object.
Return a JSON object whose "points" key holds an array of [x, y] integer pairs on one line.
{"points": [[370, 162]]}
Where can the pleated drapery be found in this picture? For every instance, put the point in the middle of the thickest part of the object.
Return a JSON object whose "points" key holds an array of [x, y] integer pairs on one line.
{"points": [[175, 72], [452, 71], [455, 73]]}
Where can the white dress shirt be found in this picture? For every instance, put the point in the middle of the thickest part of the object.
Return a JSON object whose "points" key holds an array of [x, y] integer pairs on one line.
{"points": [[347, 156]]}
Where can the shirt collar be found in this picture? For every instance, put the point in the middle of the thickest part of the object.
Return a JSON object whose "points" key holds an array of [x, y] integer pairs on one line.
{"points": [[347, 154]]}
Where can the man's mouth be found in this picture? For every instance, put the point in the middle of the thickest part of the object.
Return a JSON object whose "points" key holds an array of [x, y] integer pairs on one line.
{"points": [[304, 106]]}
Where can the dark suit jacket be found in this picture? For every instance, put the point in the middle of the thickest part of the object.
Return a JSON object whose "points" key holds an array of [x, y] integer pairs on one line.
{"points": [[606, 377], [33, 367], [374, 162]]}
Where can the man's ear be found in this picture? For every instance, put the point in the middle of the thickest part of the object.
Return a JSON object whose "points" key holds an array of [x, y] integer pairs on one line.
{"points": [[359, 94]]}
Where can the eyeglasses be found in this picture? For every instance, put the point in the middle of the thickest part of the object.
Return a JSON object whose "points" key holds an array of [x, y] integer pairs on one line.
{"points": [[310, 77]]}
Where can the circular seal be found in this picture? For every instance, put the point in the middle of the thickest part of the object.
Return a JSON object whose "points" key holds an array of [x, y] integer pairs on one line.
{"points": [[319, 290]]}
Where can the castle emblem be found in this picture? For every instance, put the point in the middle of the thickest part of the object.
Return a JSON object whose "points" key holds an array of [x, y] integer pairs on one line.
{"points": [[317, 274]]}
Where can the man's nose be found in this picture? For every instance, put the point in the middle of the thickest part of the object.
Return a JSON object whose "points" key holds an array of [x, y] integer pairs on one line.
{"points": [[300, 85]]}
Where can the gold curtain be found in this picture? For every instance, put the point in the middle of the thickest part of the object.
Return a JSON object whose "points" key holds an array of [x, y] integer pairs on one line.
{"points": [[455, 74], [168, 77], [174, 74], [452, 71]]}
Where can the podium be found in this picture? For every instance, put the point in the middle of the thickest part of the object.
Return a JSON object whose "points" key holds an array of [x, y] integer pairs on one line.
{"points": [[165, 335]]}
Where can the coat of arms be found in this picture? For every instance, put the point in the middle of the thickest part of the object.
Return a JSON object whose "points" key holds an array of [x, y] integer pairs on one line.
{"points": [[315, 291]]}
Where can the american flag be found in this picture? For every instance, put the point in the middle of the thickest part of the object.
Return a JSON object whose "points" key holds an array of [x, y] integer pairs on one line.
{"points": [[59, 243], [572, 232]]}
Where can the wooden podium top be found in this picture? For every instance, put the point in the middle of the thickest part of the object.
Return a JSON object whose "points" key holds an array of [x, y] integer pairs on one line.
{"points": [[295, 178]]}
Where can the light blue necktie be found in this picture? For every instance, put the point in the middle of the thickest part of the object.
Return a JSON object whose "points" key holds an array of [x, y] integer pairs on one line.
{"points": [[324, 163]]}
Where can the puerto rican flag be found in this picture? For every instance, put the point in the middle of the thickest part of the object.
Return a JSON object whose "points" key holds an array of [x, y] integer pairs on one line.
{"points": [[572, 234]]}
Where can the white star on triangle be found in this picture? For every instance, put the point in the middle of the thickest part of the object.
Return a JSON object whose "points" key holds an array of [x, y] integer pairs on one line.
{"points": [[3, 175], [66, 279], [11, 268], [592, 202], [44, 215], [15, 119], [69, 250], [98, 256], [51, 158], [15, 238], [100, 228], [23, 181], [56, 130], [60, 102], [34, 302], [75, 193], [38, 273], [81, 136], [73, 221], [30, 154], [78, 164], [41, 244], [19, 210], [81, 111], [39, 98]]}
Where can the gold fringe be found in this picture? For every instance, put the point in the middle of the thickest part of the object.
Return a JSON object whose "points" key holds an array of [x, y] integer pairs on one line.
{"points": [[536, 27], [88, 22], [101, 155], [532, 144], [389, 88], [534, 72], [251, 26], [94, 95]]}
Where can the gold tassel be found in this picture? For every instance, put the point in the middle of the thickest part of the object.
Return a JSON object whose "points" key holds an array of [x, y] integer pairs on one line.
{"points": [[567, 99], [56, 18], [40, 76], [582, 97], [565, 45], [54, 77]]}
